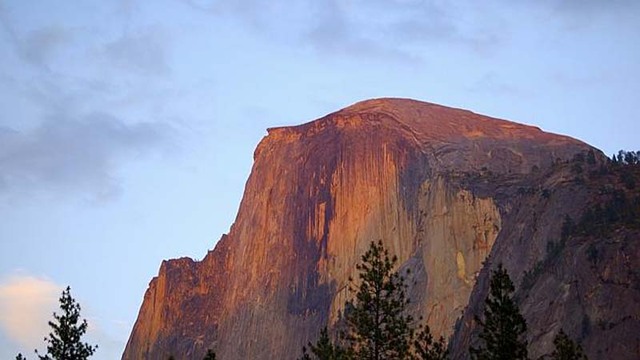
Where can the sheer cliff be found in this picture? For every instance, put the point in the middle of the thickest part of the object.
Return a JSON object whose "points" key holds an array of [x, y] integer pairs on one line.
{"points": [[449, 191]]}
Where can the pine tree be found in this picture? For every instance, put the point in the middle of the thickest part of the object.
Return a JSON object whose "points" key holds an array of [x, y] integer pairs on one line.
{"points": [[324, 349], [426, 348], [210, 355], [566, 349], [64, 341], [20, 357], [378, 327], [503, 328]]}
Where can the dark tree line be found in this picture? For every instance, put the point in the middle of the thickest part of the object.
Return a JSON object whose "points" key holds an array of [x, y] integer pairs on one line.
{"points": [[503, 329], [378, 326], [626, 158], [377, 323]]}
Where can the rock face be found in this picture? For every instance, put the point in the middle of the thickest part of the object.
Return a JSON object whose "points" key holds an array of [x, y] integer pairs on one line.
{"points": [[450, 192]]}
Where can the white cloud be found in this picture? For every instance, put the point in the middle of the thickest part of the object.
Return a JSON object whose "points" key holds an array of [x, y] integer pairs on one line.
{"points": [[26, 305]]}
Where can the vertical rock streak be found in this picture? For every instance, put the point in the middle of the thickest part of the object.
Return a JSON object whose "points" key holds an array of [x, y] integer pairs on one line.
{"points": [[318, 194]]}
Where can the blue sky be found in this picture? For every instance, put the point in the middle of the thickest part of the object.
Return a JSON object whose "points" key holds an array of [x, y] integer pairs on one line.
{"points": [[128, 127]]}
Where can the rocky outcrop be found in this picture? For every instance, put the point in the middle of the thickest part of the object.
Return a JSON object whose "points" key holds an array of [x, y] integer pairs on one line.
{"points": [[447, 191], [569, 273]]}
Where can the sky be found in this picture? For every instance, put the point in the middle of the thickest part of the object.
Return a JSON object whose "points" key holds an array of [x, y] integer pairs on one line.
{"points": [[128, 127]]}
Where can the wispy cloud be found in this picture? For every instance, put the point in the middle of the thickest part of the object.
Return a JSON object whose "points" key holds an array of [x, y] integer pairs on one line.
{"points": [[575, 15], [73, 154], [41, 45], [143, 52], [71, 131], [373, 28], [493, 83], [36, 47], [589, 5], [335, 33]]}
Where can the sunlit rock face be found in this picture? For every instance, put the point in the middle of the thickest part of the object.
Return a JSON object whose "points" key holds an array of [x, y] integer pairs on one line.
{"points": [[446, 190]]}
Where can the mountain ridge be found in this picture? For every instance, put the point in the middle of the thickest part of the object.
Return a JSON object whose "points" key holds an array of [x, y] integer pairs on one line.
{"points": [[318, 193], [397, 109]]}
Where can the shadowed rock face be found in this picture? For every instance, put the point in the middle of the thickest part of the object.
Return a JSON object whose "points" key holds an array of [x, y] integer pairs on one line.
{"points": [[443, 188]]}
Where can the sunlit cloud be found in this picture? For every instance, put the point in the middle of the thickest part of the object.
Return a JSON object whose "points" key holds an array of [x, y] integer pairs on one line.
{"points": [[26, 305]]}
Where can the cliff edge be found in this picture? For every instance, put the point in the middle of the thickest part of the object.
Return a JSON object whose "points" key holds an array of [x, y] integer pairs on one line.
{"points": [[450, 192]]}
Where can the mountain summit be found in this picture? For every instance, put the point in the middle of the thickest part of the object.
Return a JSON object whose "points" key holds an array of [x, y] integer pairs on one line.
{"points": [[450, 192]]}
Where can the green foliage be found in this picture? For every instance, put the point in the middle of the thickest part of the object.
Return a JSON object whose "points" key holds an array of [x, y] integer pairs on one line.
{"points": [[325, 349], [554, 249], [628, 180], [618, 210], [427, 348], [305, 354], [64, 342], [626, 158], [626, 163], [566, 349], [210, 355], [503, 327], [378, 325]]}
